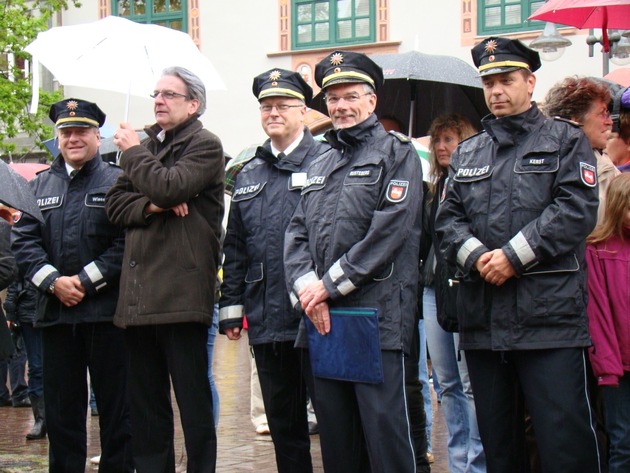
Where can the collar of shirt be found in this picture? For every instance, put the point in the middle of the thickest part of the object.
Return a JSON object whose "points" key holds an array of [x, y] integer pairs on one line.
{"points": [[161, 136], [290, 148], [69, 169]]}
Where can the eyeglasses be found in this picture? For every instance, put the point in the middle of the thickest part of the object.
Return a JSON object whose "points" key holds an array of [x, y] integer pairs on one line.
{"points": [[350, 98], [166, 94], [282, 107]]}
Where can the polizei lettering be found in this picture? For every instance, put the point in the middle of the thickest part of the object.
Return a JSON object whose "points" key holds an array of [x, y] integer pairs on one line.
{"points": [[315, 180], [247, 189], [49, 202], [472, 172]]}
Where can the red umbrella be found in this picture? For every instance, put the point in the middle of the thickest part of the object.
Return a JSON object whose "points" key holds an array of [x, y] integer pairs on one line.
{"points": [[583, 14], [621, 76], [28, 170]]}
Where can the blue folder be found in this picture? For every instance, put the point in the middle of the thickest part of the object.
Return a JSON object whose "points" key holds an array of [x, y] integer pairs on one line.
{"points": [[351, 351]]}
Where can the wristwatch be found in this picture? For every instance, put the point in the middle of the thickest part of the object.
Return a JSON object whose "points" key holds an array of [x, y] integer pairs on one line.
{"points": [[51, 288]]}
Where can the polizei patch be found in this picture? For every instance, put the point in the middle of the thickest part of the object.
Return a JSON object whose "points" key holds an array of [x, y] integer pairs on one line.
{"points": [[588, 174], [397, 190]]}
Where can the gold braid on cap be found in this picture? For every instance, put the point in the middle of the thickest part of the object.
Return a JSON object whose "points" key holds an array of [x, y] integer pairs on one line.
{"points": [[492, 65], [349, 75], [280, 91]]}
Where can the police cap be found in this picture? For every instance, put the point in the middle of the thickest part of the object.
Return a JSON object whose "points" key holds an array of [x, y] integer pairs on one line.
{"points": [[496, 55], [340, 67], [76, 113], [281, 83]]}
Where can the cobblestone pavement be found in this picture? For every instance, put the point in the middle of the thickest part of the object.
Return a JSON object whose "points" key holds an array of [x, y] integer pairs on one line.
{"points": [[239, 448]]}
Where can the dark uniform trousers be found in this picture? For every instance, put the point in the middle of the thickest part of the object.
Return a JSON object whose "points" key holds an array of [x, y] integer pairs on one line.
{"points": [[69, 351], [283, 385], [155, 352], [552, 384], [351, 416]]}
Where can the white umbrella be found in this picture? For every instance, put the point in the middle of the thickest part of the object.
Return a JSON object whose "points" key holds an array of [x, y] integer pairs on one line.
{"points": [[118, 55]]}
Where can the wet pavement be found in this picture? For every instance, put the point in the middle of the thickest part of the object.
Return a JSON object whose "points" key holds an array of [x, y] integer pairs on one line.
{"points": [[240, 449]]}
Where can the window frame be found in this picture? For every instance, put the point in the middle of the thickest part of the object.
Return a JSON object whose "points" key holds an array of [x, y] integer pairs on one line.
{"points": [[333, 19], [523, 26], [163, 19]]}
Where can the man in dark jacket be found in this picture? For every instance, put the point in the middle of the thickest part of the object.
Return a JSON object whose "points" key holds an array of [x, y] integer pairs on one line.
{"points": [[520, 201], [353, 243], [265, 195], [170, 199], [74, 261]]}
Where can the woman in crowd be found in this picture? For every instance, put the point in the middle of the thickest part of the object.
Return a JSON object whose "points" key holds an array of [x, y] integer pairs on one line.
{"points": [[465, 452], [608, 258]]}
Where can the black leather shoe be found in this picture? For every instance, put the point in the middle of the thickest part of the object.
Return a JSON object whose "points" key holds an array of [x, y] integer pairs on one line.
{"points": [[24, 402]]}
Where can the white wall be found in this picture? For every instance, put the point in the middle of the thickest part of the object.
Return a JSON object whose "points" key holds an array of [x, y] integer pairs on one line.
{"points": [[238, 35]]}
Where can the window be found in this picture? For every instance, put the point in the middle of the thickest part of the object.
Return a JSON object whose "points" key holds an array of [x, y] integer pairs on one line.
{"points": [[507, 16], [169, 13], [322, 23]]}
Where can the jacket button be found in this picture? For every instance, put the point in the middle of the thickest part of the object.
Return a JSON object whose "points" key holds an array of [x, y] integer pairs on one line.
{"points": [[132, 263]]}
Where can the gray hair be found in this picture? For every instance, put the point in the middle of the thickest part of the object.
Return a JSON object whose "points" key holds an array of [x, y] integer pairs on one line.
{"points": [[194, 85]]}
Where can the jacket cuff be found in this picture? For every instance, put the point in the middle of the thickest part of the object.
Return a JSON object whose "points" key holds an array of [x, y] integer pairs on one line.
{"points": [[301, 283], [520, 253], [92, 279], [46, 275], [337, 282], [230, 316], [608, 380], [469, 252]]}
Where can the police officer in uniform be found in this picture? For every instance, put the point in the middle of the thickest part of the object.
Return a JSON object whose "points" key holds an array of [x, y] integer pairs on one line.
{"points": [[74, 260], [520, 201], [265, 195], [353, 242]]}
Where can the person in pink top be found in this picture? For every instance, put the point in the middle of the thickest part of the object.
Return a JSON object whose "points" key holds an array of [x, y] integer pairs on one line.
{"points": [[608, 259]]}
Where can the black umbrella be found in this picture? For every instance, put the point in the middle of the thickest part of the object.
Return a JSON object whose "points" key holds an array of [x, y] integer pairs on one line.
{"points": [[15, 193], [419, 87]]}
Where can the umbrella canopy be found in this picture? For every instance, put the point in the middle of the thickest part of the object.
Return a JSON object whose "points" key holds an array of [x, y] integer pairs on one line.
{"points": [[621, 76], [15, 193], [119, 55], [28, 170], [419, 87], [583, 14]]}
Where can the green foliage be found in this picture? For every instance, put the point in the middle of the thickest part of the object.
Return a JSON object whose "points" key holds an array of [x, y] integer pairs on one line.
{"points": [[20, 22]]}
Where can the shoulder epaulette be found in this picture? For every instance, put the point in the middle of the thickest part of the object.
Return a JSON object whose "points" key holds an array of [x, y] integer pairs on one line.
{"points": [[473, 136], [566, 120], [401, 136]]}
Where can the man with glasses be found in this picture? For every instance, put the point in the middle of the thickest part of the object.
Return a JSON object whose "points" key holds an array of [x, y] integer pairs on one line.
{"points": [[353, 242], [520, 201], [170, 200], [265, 195]]}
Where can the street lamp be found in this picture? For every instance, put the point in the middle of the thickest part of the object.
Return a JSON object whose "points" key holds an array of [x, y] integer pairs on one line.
{"points": [[619, 51], [550, 44]]}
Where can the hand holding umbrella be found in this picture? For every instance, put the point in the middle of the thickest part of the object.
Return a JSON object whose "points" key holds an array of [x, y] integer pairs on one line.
{"points": [[126, 137]]}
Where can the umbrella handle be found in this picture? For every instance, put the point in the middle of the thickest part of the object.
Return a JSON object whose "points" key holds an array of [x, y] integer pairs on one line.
{"points": [[34, 86]]}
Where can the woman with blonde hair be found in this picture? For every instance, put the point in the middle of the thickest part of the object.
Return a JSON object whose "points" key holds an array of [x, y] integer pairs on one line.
{"points": [[465, 452]]}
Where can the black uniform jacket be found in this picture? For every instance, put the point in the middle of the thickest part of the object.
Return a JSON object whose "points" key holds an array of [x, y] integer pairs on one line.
{"points": [[527, 185], [266, 192], [77, 238]]}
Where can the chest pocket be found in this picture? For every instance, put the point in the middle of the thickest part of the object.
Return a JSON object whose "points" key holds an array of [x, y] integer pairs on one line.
{"points": [[97, 224]]}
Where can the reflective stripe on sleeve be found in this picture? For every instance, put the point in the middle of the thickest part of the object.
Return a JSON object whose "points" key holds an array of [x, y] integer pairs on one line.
{"points": [[340, 280], [40, 276], [467, 248], [523, 250], [231, 312], [95, 275], [304, 281]]}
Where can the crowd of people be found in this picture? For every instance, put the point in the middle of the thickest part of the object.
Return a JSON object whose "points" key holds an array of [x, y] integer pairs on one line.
{"points": [[514, 253]]}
